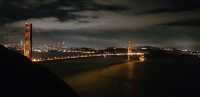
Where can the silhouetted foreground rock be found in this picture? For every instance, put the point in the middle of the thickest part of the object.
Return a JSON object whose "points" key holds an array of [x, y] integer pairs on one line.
{"points": [[20, 78]]}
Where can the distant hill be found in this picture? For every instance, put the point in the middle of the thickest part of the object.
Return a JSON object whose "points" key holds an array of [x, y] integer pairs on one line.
{"points": [[21, 78]]}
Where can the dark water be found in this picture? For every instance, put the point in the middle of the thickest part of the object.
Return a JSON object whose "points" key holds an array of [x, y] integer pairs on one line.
{"points": [[168, 76], [113, 81], [97, 77]]}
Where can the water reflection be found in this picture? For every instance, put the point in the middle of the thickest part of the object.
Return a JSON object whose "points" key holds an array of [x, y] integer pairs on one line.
{"points": [[130, 75], [114, 81], [130, 68]]}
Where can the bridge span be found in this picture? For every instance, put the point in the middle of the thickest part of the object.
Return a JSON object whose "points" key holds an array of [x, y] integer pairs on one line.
{"points": [[137, 54]]}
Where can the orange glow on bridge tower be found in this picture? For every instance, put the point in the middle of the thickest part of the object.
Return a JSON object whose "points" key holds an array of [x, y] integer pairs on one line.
{"points": [[130, 49], [28, 40]]}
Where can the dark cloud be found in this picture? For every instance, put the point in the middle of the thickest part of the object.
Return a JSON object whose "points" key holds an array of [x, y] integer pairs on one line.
{"points": [[193, 22], [24, 9], [21, 10]]}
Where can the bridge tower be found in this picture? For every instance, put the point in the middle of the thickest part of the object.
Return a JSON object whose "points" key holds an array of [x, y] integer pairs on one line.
{"points": [[130, 49], [28, 40]]}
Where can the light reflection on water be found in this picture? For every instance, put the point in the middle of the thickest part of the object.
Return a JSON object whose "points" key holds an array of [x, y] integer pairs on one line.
{"points": [[131, 77], [114, 81]]}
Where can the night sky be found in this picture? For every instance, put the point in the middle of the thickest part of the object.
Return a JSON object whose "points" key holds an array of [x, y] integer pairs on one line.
{"points": [[103, 23]]}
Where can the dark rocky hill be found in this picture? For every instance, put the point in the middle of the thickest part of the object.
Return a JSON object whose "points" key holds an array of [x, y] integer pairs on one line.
{"points": [[21, 78]]}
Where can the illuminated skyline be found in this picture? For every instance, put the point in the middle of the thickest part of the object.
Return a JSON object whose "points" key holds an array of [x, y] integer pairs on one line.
{"points": [[103, 23]]}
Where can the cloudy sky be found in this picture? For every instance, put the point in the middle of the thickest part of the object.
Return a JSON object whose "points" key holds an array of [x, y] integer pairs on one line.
{"points": [[103, 23]]}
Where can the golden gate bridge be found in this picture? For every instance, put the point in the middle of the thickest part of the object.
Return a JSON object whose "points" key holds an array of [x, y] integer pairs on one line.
{"points": [[27, 48]]}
